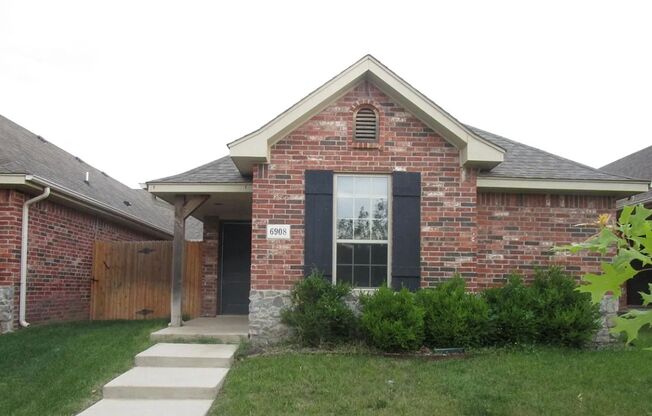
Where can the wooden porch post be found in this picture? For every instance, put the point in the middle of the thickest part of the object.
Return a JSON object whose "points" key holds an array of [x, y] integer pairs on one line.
{"points": [[183, 207]]}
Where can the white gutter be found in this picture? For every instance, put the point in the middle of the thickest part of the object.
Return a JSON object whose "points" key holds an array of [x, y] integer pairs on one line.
{"points": [[23, 254]]}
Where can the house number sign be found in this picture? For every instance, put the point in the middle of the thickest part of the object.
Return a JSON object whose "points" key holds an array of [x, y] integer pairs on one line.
{"points": [[278, 231]]}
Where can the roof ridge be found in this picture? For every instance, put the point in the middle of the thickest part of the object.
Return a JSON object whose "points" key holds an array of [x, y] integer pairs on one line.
{"points": [[552, 154]]}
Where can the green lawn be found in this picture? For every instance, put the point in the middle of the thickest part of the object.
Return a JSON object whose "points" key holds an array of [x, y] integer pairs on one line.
{"points": [[59, 369], [540, 381]]}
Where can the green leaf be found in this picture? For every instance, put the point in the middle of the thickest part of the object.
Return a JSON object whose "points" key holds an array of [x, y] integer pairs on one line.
{"points": [[627, 255], [631, 323], [625, 214], [610, 280], [647, 297], [640, 224]]}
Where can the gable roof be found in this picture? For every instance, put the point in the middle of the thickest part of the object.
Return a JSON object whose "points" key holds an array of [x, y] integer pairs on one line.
{"points": [[44, 164], [254, 147]]}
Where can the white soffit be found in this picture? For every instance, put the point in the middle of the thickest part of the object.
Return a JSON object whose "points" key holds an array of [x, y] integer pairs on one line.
{"points": [[254, 147]]}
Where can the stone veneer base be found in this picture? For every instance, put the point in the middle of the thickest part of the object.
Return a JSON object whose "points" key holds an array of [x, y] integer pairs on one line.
{"points": [[6, 309], [265, 307]]}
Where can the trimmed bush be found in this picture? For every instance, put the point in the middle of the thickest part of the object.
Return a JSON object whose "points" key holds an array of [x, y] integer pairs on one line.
{"points": [[318, 313], [512, 317], [453, 317], [564, 316], [392, 321]]}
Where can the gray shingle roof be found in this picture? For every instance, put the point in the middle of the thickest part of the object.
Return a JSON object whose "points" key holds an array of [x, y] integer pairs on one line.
{"points": [[222, 170], [523, 161], [22, 152], [637, 165]]}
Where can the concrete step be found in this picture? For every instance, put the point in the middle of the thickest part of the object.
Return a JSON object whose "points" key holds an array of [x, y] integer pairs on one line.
{"points": [[122, 407], [187, 355], [229, 329], [166, 383]]}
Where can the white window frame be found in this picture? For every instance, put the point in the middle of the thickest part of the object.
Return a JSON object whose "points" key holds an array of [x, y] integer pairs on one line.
{"points": [[389, 228]]}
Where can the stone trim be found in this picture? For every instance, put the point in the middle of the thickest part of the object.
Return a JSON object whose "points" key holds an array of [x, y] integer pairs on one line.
{"points": [[6, 309], [265, 307]]}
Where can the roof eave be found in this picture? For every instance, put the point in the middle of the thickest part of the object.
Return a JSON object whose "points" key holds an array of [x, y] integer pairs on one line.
{"points": [[605, 187], [30, 183]]}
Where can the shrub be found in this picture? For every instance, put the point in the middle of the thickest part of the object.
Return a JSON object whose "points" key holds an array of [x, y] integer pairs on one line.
{"points": [[452, 317], [512, 317], [564, 316], [318, 313], [392, 321]]}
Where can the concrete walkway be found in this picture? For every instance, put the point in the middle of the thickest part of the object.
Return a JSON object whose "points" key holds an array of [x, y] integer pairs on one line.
{"points": [[173, 379]]}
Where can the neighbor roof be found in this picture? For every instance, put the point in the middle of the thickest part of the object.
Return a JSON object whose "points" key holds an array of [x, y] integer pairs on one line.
{"points": [[638, 164], [22, 152]]}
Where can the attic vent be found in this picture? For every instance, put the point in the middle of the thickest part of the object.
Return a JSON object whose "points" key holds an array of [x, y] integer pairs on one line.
{"points": [[41, 139], [366, 125], [78, 159], [127, 203]]}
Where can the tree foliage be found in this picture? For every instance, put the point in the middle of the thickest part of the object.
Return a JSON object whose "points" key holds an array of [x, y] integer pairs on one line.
{"points": [[629, 239]]}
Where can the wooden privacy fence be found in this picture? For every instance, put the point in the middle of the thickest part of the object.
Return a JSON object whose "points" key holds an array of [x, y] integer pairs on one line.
{"points": [[132, 280]]}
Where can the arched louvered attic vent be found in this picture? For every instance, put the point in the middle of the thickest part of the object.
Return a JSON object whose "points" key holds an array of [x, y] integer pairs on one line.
{"points": [[366, 125]]}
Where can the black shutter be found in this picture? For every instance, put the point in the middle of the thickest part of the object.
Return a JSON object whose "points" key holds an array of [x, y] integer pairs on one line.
{"points": [[318, 245], [406, 227]]}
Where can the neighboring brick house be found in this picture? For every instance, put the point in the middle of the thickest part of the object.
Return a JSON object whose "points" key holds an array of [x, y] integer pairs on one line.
{"points": [[636, 165], [372, 183], [84, 205]]}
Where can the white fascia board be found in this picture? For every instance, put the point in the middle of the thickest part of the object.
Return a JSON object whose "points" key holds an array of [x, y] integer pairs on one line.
{"points": [[525, 184], [13, 179], [255, 147], [198, 188]]}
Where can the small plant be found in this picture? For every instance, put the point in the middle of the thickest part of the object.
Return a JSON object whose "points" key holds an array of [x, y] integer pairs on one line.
{"points": [[392, 321], [318, 313], [564, 316], [452, 317], [512, 319]]}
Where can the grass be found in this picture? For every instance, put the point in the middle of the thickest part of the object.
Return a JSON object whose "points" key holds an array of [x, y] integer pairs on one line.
{"points": [[59, 369], [534, 381]]}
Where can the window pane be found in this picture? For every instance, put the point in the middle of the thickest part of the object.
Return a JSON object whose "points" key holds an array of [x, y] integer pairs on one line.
{"points": [[379, 208], [362, 208], [361, 276], [362, 185], [362, 231], [362, 253], [345, 229], [379, 254], [379, 186], [345, 274], [379, 230], [345, 208], [344, 254], [378, 276], [346, 185]]}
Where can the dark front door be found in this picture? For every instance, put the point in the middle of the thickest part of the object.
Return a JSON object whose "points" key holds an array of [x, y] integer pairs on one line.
{"points": [[235, 262]]}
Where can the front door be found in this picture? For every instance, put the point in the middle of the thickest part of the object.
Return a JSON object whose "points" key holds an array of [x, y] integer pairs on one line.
{"points": [[235, 261]]}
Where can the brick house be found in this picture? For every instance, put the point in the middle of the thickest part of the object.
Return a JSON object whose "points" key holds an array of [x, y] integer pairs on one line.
{"points": [[81, 205], [372, 183]]}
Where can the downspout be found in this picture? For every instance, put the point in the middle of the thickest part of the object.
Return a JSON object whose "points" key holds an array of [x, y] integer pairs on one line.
{"points": [[23, 254]]}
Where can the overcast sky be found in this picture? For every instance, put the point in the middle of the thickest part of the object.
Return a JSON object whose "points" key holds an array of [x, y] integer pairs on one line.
{"points": [[145, 89]]}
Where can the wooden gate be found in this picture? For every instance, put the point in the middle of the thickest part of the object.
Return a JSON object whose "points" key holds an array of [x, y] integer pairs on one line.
{"points": [[132, 280]]}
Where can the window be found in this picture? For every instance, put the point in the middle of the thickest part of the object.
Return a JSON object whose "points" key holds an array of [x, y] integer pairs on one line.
{"points": [[366, 125], [362, 230]]}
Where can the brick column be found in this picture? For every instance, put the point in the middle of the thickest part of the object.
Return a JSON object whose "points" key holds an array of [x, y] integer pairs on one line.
{"points": [[209, 305]]}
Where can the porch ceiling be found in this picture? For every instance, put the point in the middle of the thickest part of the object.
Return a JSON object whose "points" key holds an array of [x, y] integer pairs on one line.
{"points": [[232, 204]]}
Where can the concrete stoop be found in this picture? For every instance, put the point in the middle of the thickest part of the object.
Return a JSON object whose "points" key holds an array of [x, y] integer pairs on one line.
{"points": [[169, 379]]}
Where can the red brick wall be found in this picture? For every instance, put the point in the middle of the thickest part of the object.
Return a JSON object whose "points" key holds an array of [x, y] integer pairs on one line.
{"points": [[59, 258], [209, 305], [516, 232], [324, 142]]}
